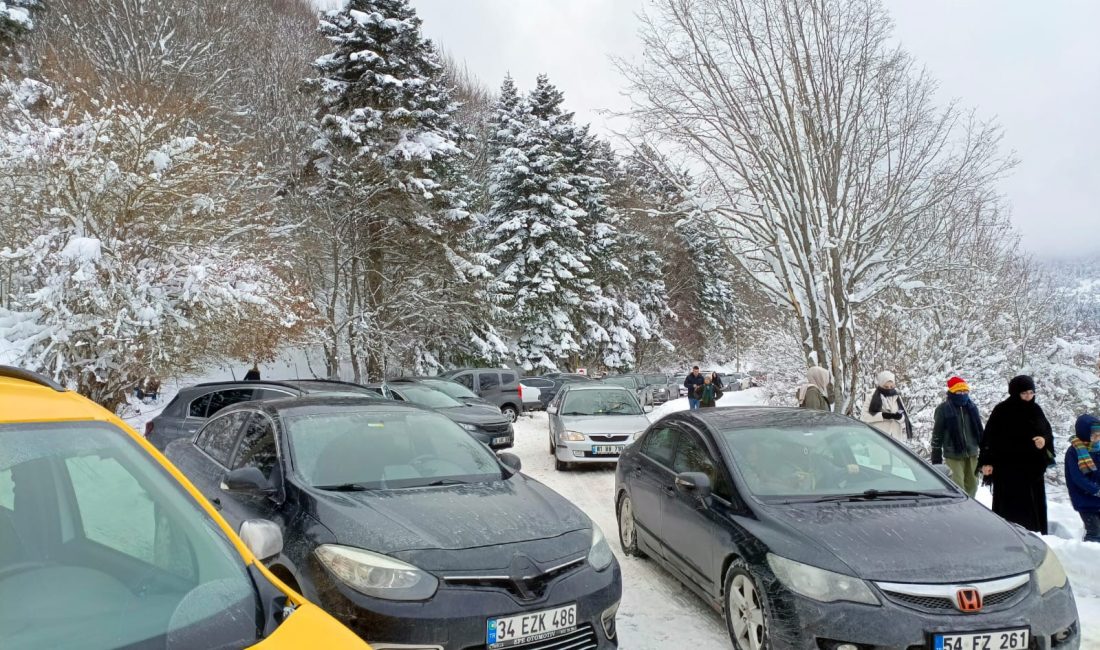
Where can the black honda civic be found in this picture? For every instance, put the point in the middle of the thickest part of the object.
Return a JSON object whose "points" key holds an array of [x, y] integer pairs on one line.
{"points": [[405, 528], [812, 531]]}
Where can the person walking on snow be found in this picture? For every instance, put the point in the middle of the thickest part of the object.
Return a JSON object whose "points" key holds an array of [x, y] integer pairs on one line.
{"points": [[693, 380], [817, 394], [1082, 477], [957, 435], [885, 410], [708, 394], [1016, 451]]}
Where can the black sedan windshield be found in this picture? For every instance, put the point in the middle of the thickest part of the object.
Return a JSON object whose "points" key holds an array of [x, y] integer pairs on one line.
{"points": [[371, 449], [451, 388], [600, 402], [429, 397], [824, 461]]}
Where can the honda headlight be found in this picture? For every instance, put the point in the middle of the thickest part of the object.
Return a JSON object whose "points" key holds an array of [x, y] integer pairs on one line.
{"points": [[819, 584], [599, 556], [572, 436], [1050, 574], [468, 427], [376, 575]]}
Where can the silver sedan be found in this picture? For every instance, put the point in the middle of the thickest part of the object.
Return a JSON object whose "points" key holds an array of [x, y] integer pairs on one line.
{"points": [[591, 423]]}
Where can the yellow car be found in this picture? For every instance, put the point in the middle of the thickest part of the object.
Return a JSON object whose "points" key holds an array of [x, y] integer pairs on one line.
{"points": [[104, 544]]}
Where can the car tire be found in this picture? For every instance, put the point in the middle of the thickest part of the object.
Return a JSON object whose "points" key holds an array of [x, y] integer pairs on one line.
{"points": [[560, 465], [628, 530], [746, 609], [551, 446], [510, 412]]}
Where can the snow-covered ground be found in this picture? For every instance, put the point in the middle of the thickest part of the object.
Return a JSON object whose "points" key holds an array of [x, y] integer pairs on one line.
{"points": [[657, 612]]}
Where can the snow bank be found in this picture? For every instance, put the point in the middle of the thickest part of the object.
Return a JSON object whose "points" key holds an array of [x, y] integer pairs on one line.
{"points": [[750, 397]]}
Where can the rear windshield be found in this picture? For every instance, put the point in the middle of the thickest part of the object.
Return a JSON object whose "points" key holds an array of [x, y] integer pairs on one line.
{"points": [[112, 550], [428, 396], [627, 382], [396, 449]]}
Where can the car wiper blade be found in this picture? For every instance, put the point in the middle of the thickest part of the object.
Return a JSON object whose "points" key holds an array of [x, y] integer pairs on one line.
{"points": [[344, 487], [870, 495], [445, 481]]}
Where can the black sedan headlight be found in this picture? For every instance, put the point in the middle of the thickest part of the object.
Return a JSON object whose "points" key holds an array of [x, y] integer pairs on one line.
{"points": [[377, 575], [820, 584], [599, 555]]}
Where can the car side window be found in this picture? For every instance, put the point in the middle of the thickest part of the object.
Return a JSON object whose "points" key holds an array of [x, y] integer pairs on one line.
{"points": [[508, 378], [271, 394], [692, 456], [199, 406], [488, 380], [219, 436], [257, 448], [466, 379], [659, 445], [224, 398]]}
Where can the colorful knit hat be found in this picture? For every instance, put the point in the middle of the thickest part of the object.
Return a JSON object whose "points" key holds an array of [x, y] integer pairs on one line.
{"points": [[957, 385]]}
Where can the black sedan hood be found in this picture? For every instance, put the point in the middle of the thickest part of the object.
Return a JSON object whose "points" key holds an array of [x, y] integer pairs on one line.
{"points": [[475, 414], [930, 540], [448, 518]]}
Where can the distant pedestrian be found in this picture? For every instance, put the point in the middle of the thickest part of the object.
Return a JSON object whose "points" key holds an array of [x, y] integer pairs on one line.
{"points": [[885, 410], [716, 379], [1082, 477], [817, 394], [957, 435], [1016, 451], [693, 380], [253, 374], [708, 393]]}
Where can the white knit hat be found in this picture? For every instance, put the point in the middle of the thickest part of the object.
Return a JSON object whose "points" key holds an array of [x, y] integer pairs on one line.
{"points": [[884, 377]]}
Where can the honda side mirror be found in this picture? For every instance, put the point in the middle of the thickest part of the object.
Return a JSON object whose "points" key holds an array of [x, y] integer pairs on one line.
{"points": [[249, 480], [696, 483], [511, 461], [264, 538]]}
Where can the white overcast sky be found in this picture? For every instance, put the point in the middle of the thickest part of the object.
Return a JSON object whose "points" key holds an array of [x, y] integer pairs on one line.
{"points": [[1033, 65]]}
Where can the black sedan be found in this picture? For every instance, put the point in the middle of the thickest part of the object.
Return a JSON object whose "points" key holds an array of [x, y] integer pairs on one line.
{"points": [[485, 423], [405, 528], [809, 530]]}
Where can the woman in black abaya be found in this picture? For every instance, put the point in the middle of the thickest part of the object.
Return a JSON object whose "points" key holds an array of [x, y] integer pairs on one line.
{"points": [[1017, 449]]}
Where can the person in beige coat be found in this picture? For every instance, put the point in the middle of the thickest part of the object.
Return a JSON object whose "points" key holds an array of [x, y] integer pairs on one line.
{"points": [[885, 410], [817, 394]]}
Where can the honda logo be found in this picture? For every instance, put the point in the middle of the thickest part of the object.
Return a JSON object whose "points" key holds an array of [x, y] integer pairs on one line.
{"points": [[968, 599]]}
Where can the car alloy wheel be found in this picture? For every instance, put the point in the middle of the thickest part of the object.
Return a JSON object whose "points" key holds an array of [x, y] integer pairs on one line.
{"points": [[510, 412], [628, 531], [746, 609]]}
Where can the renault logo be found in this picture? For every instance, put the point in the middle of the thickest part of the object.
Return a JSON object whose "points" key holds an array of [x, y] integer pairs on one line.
{"points": [[968, 599]]}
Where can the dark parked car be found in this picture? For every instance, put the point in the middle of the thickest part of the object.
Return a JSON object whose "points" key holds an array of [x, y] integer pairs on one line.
{"points": [[191, 406], [812, 531], [634, 383], [549, 386], [406, 529], [484, 423], [499, 386], [452, 388]]}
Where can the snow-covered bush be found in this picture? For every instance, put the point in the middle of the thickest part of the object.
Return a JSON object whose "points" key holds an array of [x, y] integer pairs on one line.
{"points": [[129, 247]]}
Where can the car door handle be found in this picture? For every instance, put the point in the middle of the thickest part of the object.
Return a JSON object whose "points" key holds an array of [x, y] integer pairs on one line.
{"points": [[670, 491], [216, 502]]}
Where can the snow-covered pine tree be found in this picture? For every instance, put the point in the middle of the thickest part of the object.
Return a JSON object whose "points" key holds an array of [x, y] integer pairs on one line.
{"points": [[388, 153], [534, 230], [16, 19]]}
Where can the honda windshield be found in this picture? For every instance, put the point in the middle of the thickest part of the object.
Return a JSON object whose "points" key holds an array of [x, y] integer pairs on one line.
{"points": [[804, 463]]}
